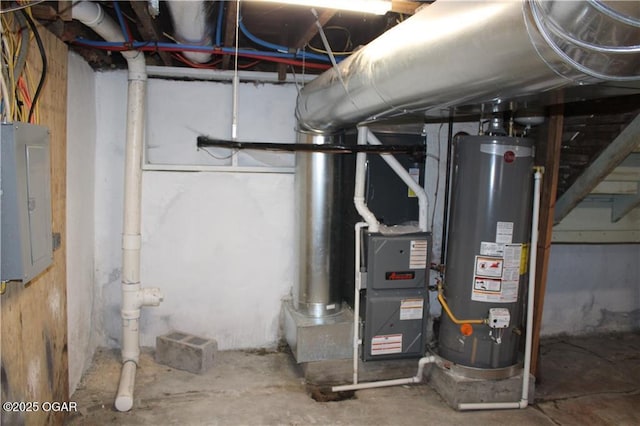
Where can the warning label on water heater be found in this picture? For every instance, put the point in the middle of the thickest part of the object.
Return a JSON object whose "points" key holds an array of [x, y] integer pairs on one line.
{"points": [[489, 266], [497, 272], [504, 232]]}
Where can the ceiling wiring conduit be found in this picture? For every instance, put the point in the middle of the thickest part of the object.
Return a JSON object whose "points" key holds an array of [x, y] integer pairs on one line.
{"points": [[461, 53], [134, 297]]}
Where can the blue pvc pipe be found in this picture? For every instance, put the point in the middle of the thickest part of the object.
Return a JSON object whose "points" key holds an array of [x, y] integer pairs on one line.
{"points": [[279, 48]]}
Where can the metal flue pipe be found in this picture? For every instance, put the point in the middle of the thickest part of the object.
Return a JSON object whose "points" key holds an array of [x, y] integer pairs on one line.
{"points": [[469, 52], [134, 297]]}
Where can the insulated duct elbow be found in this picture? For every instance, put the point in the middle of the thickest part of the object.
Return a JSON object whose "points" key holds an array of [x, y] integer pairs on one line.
{"points": [[459, 53], [190, 25]]}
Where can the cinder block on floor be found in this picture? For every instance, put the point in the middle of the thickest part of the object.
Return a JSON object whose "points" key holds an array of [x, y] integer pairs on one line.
{"points": [[185, 351]]}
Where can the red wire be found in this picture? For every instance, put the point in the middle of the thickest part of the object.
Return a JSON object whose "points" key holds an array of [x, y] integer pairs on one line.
{"points": [[210, 66], [249, 65]]}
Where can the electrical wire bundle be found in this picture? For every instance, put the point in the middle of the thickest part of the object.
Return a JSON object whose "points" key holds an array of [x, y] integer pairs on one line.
{"points": [[19, 94]]}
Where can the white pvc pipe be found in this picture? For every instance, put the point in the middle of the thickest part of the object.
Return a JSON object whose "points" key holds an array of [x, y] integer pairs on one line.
{"points": [[358, 196], [356, 300], [524, 400], [133, 295], [124, 397], [365, 136], [407, 179], [394, 382]]}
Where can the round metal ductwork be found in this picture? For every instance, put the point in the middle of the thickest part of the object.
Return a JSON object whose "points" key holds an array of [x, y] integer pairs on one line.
{"points": [[454, 53], [597, 38]]}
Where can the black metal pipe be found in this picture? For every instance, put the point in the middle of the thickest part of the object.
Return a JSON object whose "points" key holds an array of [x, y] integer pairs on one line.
{"points": [[205, 141], [445, 215]]}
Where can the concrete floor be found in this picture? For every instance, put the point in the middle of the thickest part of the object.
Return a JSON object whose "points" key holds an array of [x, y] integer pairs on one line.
{"points": [[584, 381]]}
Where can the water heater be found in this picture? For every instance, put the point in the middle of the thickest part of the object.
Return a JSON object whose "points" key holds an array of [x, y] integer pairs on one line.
{"points": [[487, 250]]}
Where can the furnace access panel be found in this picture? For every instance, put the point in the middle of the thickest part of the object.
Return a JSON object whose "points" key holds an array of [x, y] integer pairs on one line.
{"points": [[397, 301]]}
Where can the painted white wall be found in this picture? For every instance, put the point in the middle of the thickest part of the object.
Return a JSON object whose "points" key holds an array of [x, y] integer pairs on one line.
{"points": [[81, 135], [219, 245], [592, 288], [182, 110], [111, 95]]}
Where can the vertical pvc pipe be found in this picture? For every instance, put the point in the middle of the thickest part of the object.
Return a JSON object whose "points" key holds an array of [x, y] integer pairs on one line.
{"points": [[524, 400], [407, 179], [358, 197], [133, 296], [356, 300]]}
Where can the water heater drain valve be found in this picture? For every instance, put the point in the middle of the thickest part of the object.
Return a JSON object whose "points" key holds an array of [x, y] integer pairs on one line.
{"points": [[499, 318]]}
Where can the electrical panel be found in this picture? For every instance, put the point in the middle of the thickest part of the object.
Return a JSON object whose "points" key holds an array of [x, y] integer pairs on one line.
{"points": [[396, 298], [27, 247]]}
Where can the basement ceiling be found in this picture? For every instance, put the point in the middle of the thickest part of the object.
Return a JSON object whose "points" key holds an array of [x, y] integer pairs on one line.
{"points": [[286, 25], [594, 116]]}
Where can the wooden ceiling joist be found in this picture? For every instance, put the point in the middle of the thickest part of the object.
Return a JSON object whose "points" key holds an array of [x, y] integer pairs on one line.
{"points": [[148, 28], [230, 31], [310, 33]]}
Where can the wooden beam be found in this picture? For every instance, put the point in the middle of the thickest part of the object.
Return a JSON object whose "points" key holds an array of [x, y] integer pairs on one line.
{"points": [[64, 10], [282, 68], [405, 7], [230, 31], [623, 204], [33, 318], [44, 12], [148, 28], [313, 28], [545, 226], [311, 32], [623, 145]]}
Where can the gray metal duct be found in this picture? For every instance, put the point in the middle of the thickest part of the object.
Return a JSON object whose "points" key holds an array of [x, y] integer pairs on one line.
{"points": [[469, 52], [319, 247]]}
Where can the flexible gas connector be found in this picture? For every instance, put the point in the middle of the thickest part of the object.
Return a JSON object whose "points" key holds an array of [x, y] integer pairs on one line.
{"points": [[452, 317]]}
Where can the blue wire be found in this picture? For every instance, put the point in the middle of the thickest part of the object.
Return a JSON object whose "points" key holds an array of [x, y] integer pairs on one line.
{"points": [[219, 25], [256, 40], [282, 49], [123, 27]]}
